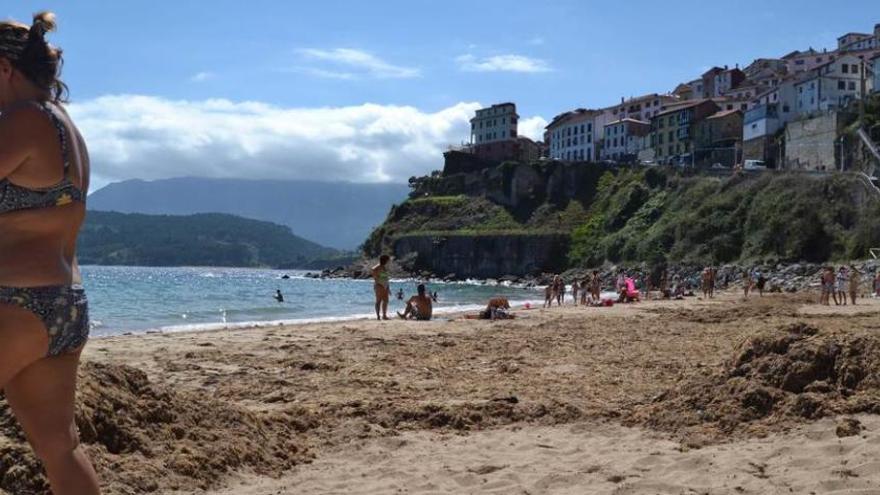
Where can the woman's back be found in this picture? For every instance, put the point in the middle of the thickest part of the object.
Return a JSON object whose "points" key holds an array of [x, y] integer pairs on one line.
{"points": [[38, 241]]}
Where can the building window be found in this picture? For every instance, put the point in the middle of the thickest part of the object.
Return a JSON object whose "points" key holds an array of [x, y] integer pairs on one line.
{"points": [[852, 85], [671, 136], [854, 69], [841, 84], [844, 68]]}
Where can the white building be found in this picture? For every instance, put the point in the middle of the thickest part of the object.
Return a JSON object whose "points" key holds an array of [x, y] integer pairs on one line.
{"points": [[783, 97], [623, 138], [833, 85], [571, 136], [493, 124]]}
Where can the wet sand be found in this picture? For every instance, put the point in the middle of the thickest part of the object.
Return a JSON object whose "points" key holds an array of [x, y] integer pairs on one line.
{"points": [[565, 400]]}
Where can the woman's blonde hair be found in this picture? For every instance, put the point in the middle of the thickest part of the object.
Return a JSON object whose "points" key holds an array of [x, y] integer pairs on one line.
{"points": [[28, 51]]}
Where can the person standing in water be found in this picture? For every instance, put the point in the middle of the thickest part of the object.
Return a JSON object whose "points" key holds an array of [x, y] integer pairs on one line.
{"points": [[382, 286], [278, 296], [44, 313]]}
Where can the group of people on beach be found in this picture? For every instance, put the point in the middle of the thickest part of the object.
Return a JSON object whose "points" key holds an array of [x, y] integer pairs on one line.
{"points": [[846, 281]]}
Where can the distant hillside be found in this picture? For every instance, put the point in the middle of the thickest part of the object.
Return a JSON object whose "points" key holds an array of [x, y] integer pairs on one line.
{"points": [[110, 238], [339, 215]]}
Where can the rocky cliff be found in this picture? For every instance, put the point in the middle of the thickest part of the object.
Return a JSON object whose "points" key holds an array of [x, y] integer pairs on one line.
{"points": [[489, 220], [485, 256]]}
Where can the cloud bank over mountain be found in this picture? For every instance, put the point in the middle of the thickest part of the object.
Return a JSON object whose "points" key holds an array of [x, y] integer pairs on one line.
{"points": [[148, 137]]}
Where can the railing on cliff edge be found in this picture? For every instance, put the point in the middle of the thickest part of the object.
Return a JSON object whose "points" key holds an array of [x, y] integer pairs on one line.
{"points": [[869, 175]]}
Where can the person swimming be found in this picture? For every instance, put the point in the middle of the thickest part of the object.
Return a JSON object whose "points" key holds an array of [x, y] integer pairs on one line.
{"points": [[419, 307]]}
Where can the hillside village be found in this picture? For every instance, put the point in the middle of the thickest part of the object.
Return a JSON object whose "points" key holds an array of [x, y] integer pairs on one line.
{"points": [[794, 112]]}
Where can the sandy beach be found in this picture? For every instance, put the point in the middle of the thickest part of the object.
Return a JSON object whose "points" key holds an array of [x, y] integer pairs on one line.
{"points": [[770, 395]]}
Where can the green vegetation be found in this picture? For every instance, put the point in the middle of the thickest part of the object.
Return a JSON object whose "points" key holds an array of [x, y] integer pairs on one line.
{"points": [[110, 238], [783, 217], [658, 215]]}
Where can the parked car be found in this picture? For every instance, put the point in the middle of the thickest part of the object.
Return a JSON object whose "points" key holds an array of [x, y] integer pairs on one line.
{"points": [[754, 165]]}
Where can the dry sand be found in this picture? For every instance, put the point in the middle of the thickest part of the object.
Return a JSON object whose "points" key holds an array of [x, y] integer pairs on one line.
{"points": [[692, 396]]}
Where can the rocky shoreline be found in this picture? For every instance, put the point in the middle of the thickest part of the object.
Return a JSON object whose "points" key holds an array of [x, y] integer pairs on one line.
{"points": [[781, 277]]}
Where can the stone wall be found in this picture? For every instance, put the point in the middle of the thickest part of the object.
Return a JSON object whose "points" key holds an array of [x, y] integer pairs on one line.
{"points": [[811, 144], [485, 256]]}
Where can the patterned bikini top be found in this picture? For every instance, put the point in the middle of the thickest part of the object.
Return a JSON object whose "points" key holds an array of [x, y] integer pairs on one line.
{"points": [[16, 198]]}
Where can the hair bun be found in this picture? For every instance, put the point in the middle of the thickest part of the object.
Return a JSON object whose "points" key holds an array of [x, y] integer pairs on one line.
{"points": [[44, 22]]}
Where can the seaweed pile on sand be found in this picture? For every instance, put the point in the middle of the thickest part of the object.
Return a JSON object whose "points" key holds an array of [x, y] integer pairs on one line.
{"points": [[775, 380], [155, 439]]}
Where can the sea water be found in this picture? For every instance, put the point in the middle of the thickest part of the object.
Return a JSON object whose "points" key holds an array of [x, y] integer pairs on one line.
{"points": [[140, 299]]}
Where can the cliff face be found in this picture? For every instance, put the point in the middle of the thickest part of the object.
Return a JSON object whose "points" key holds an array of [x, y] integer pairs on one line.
{"points": [[485, 256], [491, 220]]}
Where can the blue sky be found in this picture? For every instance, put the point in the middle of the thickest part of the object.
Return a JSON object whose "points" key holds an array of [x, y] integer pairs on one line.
{"points": [[382, 76]]}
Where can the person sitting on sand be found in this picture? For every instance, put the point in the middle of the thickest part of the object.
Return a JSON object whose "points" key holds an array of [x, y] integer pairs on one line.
{"points": [[575, 288], [382, 286], [497, 309], [841, 286], [419, 307]]}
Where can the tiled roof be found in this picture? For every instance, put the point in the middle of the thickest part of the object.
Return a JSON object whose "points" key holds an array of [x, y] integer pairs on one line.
{"points": [[722, 114]]}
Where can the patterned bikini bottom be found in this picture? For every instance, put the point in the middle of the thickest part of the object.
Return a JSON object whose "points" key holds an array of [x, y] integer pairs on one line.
{"points": [[64, 311]]}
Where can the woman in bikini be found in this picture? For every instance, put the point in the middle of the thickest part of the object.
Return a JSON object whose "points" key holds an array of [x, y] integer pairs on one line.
{"points": [[44, 178], [382, 286]]}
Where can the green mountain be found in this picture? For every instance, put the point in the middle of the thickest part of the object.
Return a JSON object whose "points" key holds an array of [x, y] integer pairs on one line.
{"points": [[210, 239], [335, 214]]}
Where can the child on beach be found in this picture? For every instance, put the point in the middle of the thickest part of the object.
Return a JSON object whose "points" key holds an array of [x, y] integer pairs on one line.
{"points": [[574, 291], [548, 295]]}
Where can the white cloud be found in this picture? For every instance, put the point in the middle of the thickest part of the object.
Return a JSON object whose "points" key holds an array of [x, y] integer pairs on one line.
{"points": [[536, 41], [202, 77], [532, 127], [502, 63], [361, 62], [131, 136]]}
